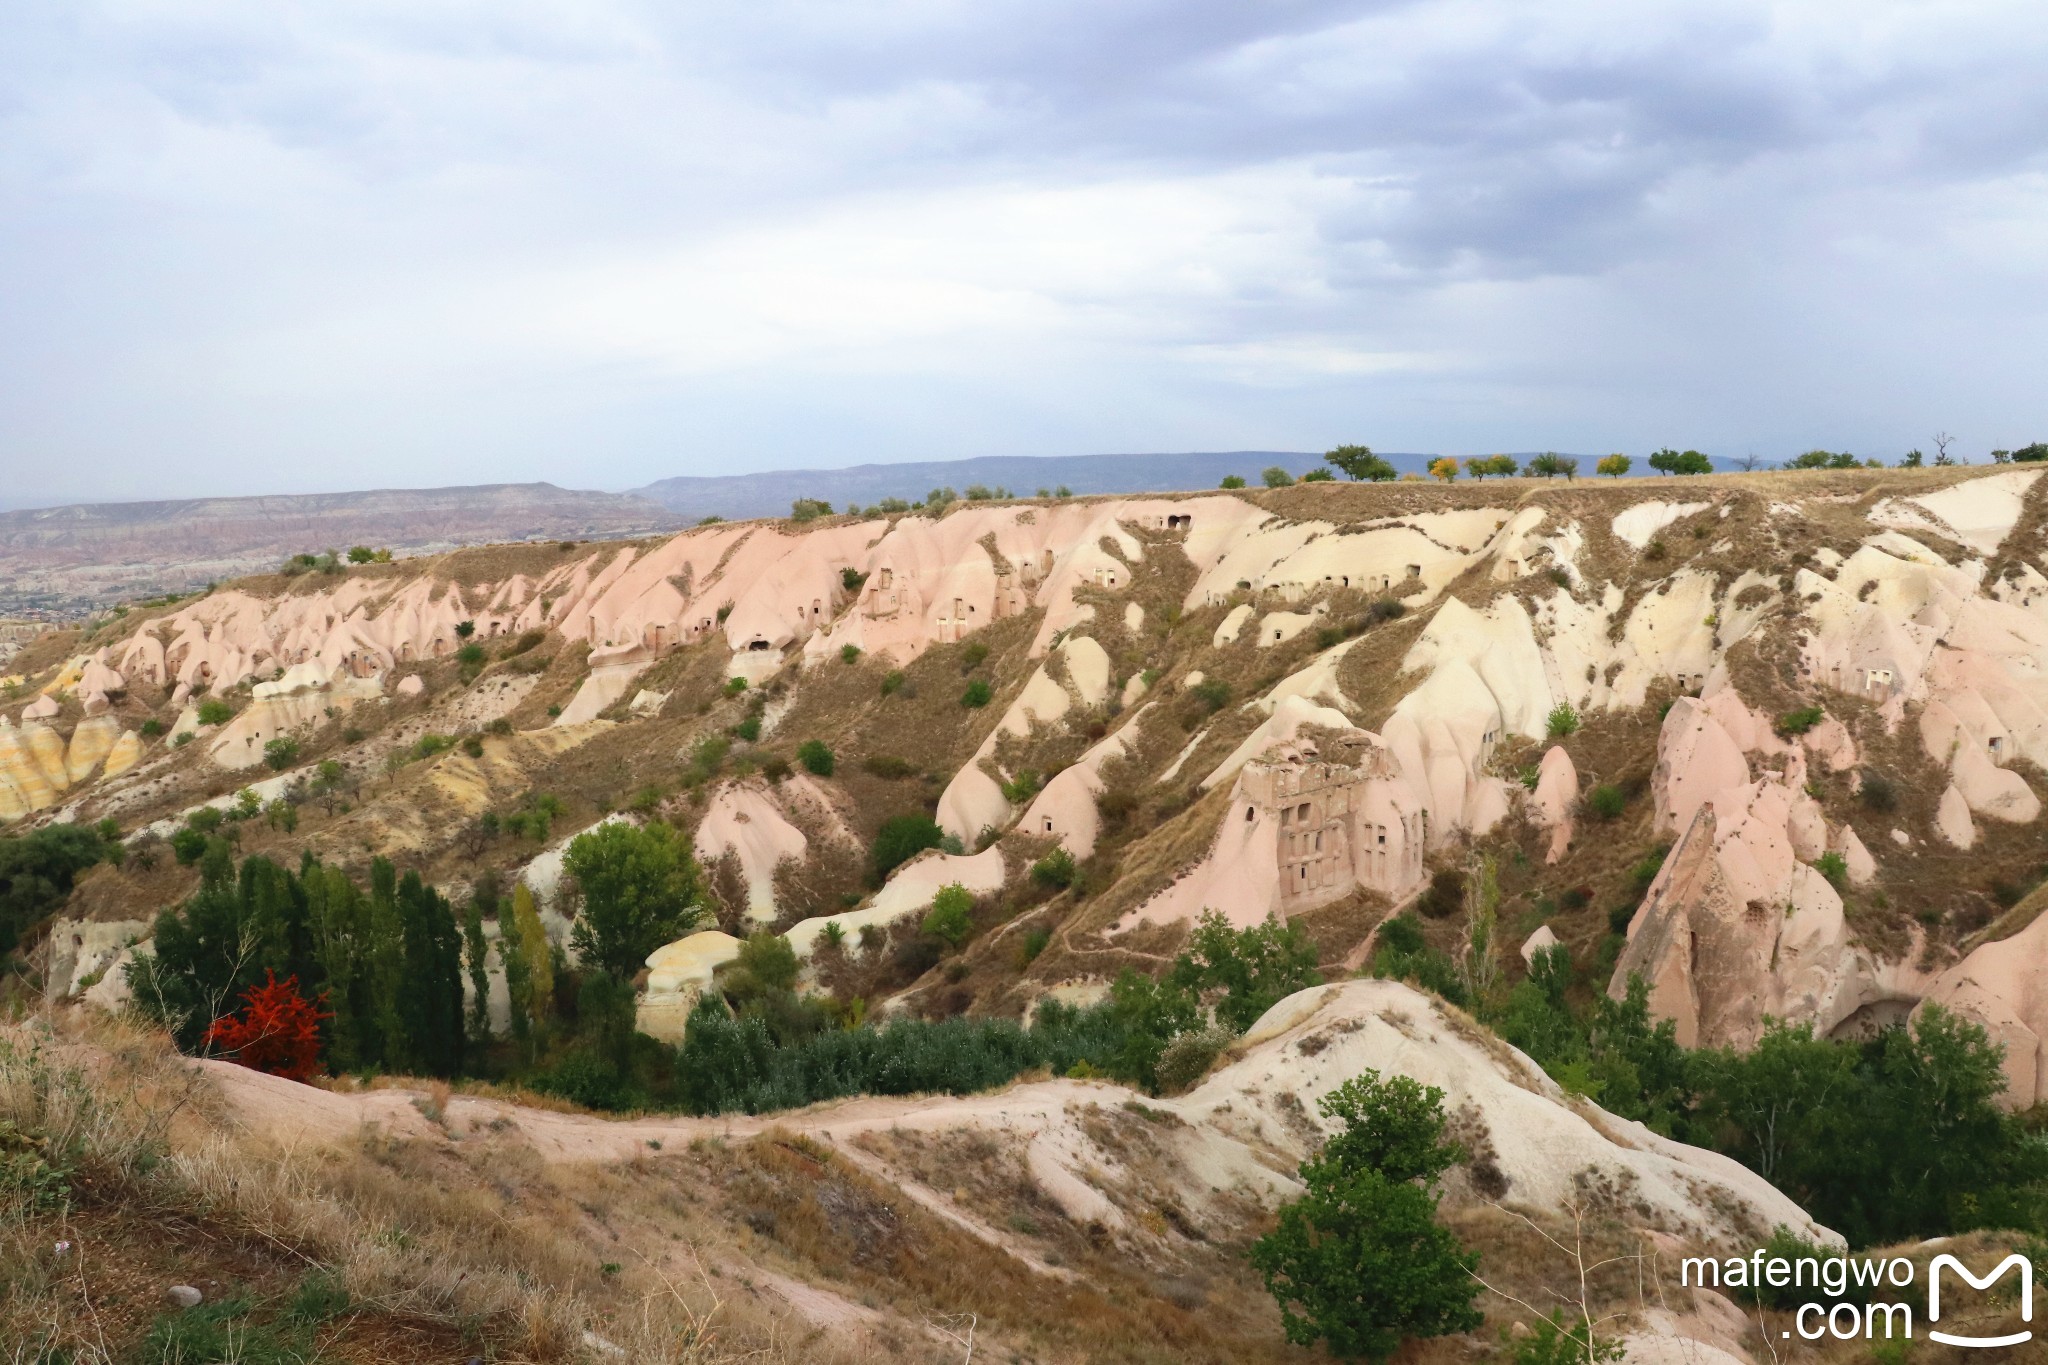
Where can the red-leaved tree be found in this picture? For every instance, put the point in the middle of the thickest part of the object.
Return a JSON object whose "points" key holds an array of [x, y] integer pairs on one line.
{"points": [[277, 1032]]}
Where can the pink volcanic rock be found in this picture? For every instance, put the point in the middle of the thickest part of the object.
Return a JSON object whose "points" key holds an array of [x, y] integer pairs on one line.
{"points": [[745, 821], [2004, 987], [1711, 954], [240, 743], [1696, 759], [1862, 867], [42, 708], [410, 685], [1306, 825], [1544, 938], [973, 800], [1991, 790], [1831, 744], [1066, 810], [1952, 819], [909, 892], [1556, 798], [97, 677]]}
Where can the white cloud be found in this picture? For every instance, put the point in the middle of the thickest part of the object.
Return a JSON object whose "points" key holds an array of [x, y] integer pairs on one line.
{"points": [[425, 243]]}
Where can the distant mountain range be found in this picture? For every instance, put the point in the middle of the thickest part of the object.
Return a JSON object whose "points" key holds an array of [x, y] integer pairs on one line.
{"points": [[770, 494], [65, 561], [68, 561]]}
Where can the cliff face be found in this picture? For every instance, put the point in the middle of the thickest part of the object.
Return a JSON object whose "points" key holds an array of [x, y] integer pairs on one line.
{"points": [[1824, 694]]}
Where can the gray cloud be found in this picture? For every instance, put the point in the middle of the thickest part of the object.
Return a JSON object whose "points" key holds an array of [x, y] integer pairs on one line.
{"points": [[253, 246]]}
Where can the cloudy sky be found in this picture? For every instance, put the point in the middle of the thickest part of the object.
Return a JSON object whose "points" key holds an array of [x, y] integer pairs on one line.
{"points": [[258, 245]]}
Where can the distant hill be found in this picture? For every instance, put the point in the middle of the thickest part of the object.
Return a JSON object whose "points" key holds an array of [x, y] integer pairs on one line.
{"points": [[68, 560], [770, 494]]}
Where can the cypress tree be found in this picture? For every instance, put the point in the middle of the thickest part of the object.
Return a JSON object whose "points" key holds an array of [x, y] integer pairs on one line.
{"points": [[384, 969], [431, 1003], [338, 916], [476, 950]]}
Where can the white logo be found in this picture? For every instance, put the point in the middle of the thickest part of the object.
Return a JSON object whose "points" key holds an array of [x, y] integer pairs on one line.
{"points": [[2026, 1269]]}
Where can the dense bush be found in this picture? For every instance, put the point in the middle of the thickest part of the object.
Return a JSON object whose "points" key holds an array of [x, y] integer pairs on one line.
{"points": [[1056, 870], [901, 838], [732, 1063], [815, 757], [1800, 721], [1213, 693], [214, 711], [977, 695], [952, 915], [37, 870]]}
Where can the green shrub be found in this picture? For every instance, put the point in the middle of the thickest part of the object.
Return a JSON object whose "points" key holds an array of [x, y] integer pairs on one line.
{"points": [[1056, 869], [1563, 720], [1402, 954], [952, 915], [150, 728], [1835, 868], [901, 838], [1646, 870], [977, 695], [1790, 1246], [1213, 693], [1445, 896], [1254, 968], [1189, 1056], [1561, 1339], [1232, 481], [892, 681], [849, 653], [973, 656], [735, 686], [1800, 721], [815, 757], [280, 753], [1607, 801], [427, 746], [214, 711], [749, 728]]}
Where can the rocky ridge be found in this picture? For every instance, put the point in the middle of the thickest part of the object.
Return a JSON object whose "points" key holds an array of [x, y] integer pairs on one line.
{"points": [[1319, 695]]}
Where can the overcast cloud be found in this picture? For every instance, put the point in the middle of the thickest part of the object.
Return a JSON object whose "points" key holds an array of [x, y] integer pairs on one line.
{"points": [[259, 246]]}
